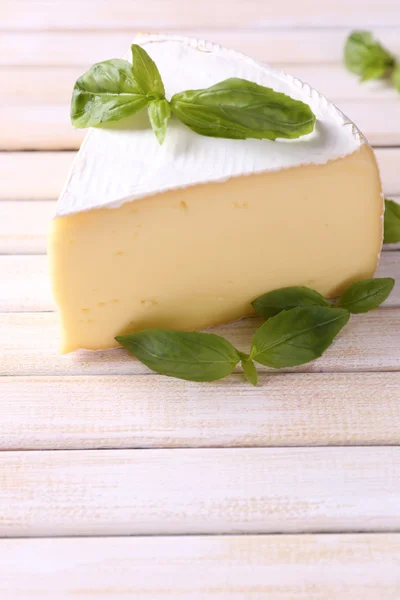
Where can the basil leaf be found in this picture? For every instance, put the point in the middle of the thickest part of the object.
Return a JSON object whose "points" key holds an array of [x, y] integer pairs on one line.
{"points": [[107, 92], [297, 336], [367, 294], [146, 73], [240, 109], [187, 355], [159, 113], [391, 222], [365, 56], [396, 77], [272, 303], [250, 371]]}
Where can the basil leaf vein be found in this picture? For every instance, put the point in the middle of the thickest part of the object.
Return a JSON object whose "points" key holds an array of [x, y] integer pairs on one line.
{"points": [[366, 294]]}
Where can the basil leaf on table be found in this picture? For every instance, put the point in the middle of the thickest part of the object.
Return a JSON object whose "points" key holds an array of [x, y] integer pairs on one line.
{"points": [[367, 294], [366, 57], [391, 222], [107, 92], [272, 303], [146, 73], [249, 368], [297, 336], [396, 77], [240, 109], [187, 355], [159, 113]]}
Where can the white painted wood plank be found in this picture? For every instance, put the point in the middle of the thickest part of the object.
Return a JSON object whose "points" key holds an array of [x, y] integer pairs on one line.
{"points": [[45, 413], [199, 491], [40, 86], [98, 14], [48, 127], [41, 175], [83, 48], [25, 281], [284, 567], [30, 341], [24, 226]]}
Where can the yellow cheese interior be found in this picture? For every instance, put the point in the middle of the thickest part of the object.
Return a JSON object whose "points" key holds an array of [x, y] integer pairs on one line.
{"points": [[194, 257]]}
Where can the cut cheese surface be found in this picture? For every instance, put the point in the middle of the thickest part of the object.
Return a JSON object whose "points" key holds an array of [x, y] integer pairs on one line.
{"points": [[189, 239]]}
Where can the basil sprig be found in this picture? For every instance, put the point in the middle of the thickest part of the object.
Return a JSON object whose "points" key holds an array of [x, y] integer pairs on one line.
{"points": [[366, 57], [300, 325], [391, 222], [234, 108]]}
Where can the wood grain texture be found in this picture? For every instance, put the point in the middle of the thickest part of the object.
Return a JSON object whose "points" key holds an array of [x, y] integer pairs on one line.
{"points": [[151, 411], [48, 127], [284, 567], [29, 346], [41, 175], [75, 48], [23, 230], [125, 14], [199, 491]]}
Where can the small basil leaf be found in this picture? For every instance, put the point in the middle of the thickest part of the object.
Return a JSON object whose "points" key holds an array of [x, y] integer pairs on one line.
{"points": [[107, 92], [365, 56], [367, 294], [391, 222], [187, 355], [297, 336], [159, 113], [396, 77], [250, 371], [146, 73], [240, 109], [272, 303]]}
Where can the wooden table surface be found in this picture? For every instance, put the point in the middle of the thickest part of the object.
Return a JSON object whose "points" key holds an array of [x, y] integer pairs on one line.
{"points": [[117, 483]]}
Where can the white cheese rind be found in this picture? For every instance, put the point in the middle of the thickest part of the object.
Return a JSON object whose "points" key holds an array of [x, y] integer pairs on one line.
{"points": [[124, 161]]}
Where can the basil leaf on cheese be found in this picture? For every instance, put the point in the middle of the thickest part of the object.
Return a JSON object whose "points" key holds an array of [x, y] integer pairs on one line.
{"points": [[240, 109], [367, 294], [366, 57], [146, 73], [391, 222], [274, 302], [187, 355], [297, 336], [108, 91], [159, 113]]}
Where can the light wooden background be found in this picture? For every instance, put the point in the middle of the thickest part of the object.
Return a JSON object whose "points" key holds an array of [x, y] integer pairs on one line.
{"points": [[116, 483]]}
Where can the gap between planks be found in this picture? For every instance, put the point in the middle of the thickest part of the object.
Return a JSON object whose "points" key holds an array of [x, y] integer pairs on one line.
{"points": [[30, 344], [96, 14], [199, 491], [282, 567], [75, 413], [44, 173]]}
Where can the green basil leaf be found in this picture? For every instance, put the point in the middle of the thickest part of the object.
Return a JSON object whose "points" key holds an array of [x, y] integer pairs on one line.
{"points": [[272, 303], [367, 294], [391, 222], [297, 336], [250, 371], [187, 355], [240, 109], [365, 56], [146, 73], [396, 77], [159, 113], [107, 92]]}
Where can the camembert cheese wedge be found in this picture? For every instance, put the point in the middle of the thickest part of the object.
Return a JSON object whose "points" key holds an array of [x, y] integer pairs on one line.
{"points": [[185, 235]]}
